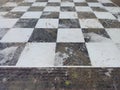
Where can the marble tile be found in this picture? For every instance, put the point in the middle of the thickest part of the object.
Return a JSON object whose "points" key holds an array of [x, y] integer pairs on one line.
{"points": [[20, 9], [108, 23], [36, 9], [79, 1], [70, 35], [13, 15], [69, 23], [5, 9], [99, 9], [7, 23], [10, 4], [9, 53], [68, 54], [114, 34], [96, 35], [67, 4], [83, 9], [47, 23], [38, 4], [25, 4], [104, 15], [43, 35], [104, 54], [31, 15], [95, 4], [52, 8], [3, 31], [26, 23], [53, 4], [70, 9], [81, 4], [90, 23], [113, 9], [17, 35], [37, 55], [68, 15], [50, 15], [85, 15]]}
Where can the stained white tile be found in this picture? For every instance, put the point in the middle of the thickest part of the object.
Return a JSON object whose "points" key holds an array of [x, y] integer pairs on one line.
{"points": [[52, 8], [37, 55], [90, 23], [29, 1], [17, 35], [114, 34], [83, 9], [95, 4], [32, 15], [104, 15], [68, 15], [10, 4], [79, 1], [113, 9], [47, 23], [20, 9], [54, 0], [105, 1], [38, 4], [104, 54], [67, 4], [2, 14], [70, 35], [7, 23]]}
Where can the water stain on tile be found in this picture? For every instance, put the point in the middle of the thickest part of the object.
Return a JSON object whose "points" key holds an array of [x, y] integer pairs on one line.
{"points": [[10, 52], [71, 54], [96, 35]]}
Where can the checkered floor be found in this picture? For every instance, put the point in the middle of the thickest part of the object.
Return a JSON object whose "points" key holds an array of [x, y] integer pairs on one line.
{"points": [[43, 33]]}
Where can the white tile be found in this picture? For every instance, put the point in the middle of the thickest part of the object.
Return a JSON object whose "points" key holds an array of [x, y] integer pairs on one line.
{"points": [[90, 23], [67, 4], [20, 9], [54, 0], [29, 1], [105, 1], [47, 23], [104, 15], [52, 8], [83, 9], [38, 4], [70, 35], [7, 23], [37, 55], [104, 54], [113, 9], [114, 34], [95, 4], [10, 4], [17, 35], [2, 15], [68, 15], [32, 15], [79, 1]]}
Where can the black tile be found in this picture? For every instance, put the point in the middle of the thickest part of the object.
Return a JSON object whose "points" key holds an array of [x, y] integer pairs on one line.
{"points": [[107, 23], [71, 54], [69, 23], [67, 9], [14, 15], [86, 15], [43, 35], [81, 4], [26, 23], [36, 9], [50, 15], [53, 4], [4, 9]]}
